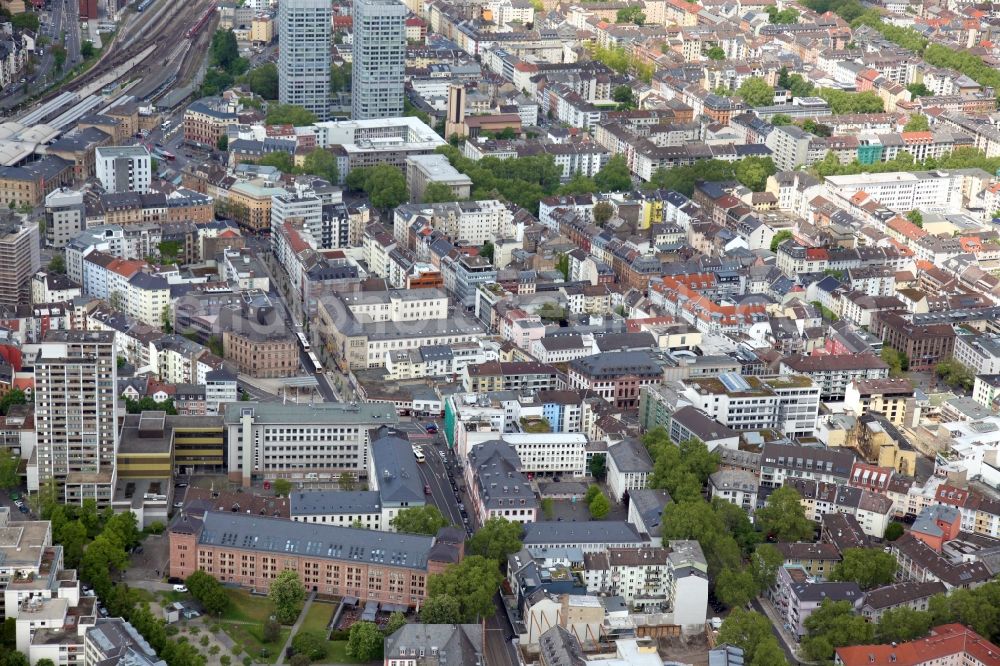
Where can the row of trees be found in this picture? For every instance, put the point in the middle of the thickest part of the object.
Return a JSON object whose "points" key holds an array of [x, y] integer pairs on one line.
{"points": [[750, 171], [961, 158], [320, 162], [621, 61]]}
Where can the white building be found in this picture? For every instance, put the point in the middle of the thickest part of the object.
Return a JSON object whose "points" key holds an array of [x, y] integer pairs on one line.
{"points": [[65, 216], [901, 191], [273, 440], [629, 467], [124, 168], [736, 487], [789, 403]]}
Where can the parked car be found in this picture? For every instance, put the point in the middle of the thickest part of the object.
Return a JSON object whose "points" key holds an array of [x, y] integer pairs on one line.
{"points": [[180, 588], [427, 489], [22, 509]]}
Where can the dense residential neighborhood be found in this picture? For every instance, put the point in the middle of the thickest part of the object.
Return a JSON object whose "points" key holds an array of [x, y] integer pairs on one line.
{"points": [[499, 332]]}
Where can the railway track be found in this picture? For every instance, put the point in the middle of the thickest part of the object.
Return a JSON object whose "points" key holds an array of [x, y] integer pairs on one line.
{"points": [[168, 27]]}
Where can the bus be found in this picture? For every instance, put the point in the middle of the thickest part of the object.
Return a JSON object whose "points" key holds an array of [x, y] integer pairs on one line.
{"points": [[315, 362], [303, 340], [418, 454]]}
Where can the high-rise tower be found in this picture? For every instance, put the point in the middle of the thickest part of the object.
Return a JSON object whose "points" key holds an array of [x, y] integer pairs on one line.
{"points": [[379, 59], [304, 55]]}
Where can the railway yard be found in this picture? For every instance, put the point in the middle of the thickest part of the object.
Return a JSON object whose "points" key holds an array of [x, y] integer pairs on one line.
{"points": [[155, 50]]}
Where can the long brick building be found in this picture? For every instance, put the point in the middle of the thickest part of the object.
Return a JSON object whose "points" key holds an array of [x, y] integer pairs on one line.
{"points": [[252, 550]]}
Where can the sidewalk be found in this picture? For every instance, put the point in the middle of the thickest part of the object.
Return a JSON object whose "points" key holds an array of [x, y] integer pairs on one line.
{"points": [[788, 640], [295, 628]]}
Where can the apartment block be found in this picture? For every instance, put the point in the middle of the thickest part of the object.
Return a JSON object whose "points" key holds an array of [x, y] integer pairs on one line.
{"points": [[76, 415]]}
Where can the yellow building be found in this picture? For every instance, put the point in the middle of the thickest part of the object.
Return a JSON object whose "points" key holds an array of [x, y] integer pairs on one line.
{"points": [[878, 442], [892, 398], [199, 443], [251, 204], [262, 29]]}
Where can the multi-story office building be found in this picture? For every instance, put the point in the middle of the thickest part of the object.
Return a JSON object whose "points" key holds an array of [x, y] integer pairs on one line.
{"points": [[124, 168], [19, 260], [379, 59], [76, 411], [789, 403], [304, 58], [271, 440]]}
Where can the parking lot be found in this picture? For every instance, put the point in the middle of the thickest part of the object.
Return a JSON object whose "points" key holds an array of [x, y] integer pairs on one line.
{"points": [[16, 501]]}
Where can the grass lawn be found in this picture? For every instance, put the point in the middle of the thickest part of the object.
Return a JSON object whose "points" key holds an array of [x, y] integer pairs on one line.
{"points": [[318, 617], [337, 654], [250, 638], [246, 607], [142, 595]]}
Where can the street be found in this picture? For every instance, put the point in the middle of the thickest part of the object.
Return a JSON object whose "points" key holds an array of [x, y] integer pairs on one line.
{"points": [[61, 18], [500, 650]]}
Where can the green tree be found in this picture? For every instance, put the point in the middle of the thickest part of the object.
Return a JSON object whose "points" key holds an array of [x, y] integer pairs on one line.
{"points": [[916, 217], [755, 91], [287, 594], [58, 56], [548, 508], [784, 17], [780, 238], [312, 644], [631, 14], [263, 81], [57, 264], [487, 251], [783, 517], [578, 184], [769, 653], [272, 630], [846, 102], [11, 398], [224, 52], [282, 487], [735, 588], [385, 186], [396, 621], [781, 119], [26, 21], [747, 630], [614, 176], [625, 98], [754, 172], [918, 90], [439, 193], [682, 470], [222, 143], [898, 625], [737, 524], [278, 159], [868, 567], [897, 361], [8, 469], [364, 642], [87, 50], [599, 506], [893, 531], [562, 265], [420, 520], [473, 582], [322, 163], [602, 213], [834, 625], [496, 539], [288, 114], [73, 538], [340, 78], [715, 53], [442, 609], [346, 481], [764, 564], [917, 123], [598, 466]]}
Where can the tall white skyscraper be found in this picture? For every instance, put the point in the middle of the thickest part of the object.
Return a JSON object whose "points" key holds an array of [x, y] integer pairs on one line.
{"points": [[379, 59], [76, 415], [304, 55]]}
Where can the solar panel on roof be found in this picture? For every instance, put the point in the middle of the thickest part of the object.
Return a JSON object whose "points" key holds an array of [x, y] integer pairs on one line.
{"points": [[734, 382]]}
